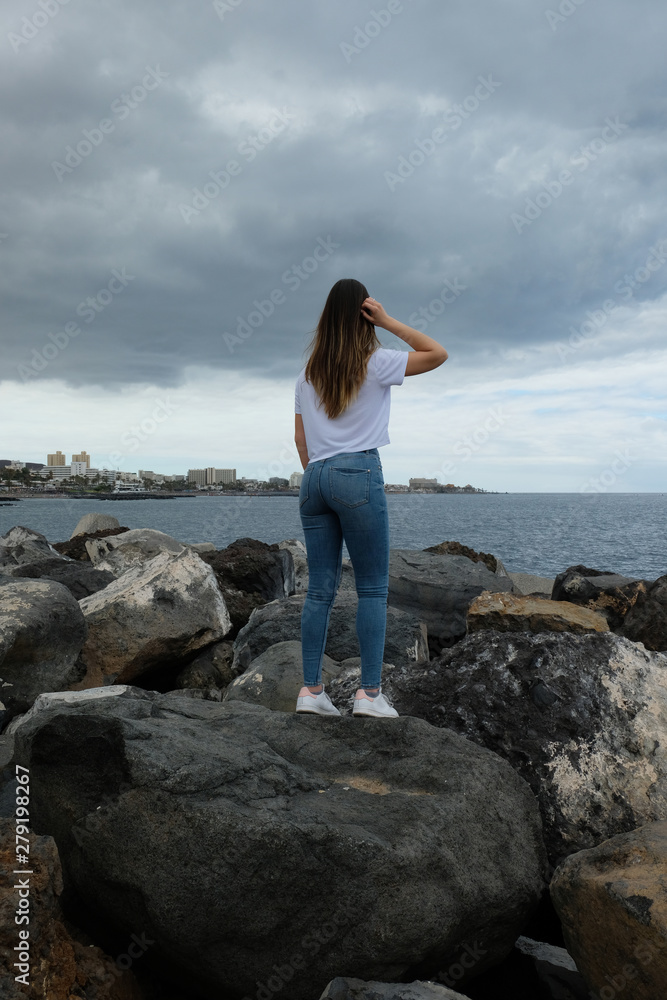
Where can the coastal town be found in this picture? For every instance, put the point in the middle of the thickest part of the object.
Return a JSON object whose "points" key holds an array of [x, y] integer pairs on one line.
{"points": [[78, 477]]}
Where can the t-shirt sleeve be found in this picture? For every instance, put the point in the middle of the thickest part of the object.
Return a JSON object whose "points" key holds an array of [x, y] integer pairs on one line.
{"points": [[390, 366], [297, 398]]}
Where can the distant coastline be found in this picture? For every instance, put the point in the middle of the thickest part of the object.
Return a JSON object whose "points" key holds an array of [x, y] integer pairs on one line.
{"points": [[8, 496]]}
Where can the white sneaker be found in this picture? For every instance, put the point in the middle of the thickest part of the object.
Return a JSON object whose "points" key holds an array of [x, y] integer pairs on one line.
{"points": [[378, 707], [316, 704]]}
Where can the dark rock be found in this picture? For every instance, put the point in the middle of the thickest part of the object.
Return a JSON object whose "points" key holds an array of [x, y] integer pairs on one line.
{"points": [[42, 631], [581, 718], [81, 579], [439, 589], [258, 847], [278, 621], [254, 567], [212, 668], [600, 590], [75, 548], [612, 902], [646, 621]]}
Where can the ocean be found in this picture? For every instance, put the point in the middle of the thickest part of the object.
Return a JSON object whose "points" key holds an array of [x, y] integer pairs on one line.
{"points": [[541, 533]]}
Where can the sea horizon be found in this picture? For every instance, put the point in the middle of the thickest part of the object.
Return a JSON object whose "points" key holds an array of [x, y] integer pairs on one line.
{"points": [[538, 532]]}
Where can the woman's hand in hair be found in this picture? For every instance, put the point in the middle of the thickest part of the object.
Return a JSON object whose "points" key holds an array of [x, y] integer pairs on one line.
{"points": [[374, 311]]}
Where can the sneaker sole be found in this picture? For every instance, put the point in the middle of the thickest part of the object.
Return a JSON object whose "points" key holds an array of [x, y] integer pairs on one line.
{"points": [[374, 715], [313, 711]]}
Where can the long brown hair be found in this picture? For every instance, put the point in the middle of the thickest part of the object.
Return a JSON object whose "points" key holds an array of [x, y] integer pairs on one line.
{"points": [[343, 342]]}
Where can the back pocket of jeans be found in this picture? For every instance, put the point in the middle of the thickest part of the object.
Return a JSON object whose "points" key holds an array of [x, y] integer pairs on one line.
{"points": [[350, 487]]}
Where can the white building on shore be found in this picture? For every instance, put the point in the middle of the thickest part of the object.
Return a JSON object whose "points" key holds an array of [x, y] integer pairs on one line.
{"points": [[60, 472]]}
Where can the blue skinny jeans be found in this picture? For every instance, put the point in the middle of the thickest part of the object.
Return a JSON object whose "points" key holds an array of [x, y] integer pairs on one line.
{"points": [[342, 497]]}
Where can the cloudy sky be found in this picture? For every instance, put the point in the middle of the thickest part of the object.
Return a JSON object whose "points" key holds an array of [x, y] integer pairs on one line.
{"points": [[183, 182]]}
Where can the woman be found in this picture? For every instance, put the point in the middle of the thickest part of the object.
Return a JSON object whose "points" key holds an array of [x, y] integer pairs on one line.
{"points": [[342, 401]]}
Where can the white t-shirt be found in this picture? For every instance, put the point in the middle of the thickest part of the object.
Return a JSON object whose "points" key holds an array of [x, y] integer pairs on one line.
{"points": [[365, 422]]}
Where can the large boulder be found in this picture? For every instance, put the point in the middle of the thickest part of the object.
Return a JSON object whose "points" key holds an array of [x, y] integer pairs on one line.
{"points": [[515, 613], [276, 676], [438, 589], [42, 631], [609, 593], [646, 621], [80, 578], [56, 965], [20, 546], [161, 612], [94, 522], [324, 847], [582, 718], [612, 903], [278, 621]]}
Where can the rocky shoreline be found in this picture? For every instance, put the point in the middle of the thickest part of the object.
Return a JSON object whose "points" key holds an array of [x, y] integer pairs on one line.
{"points": [[190, 836]]}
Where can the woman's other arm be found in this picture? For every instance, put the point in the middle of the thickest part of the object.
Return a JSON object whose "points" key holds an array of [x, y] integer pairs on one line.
{"points": [[426, 353], [300, 439]]}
